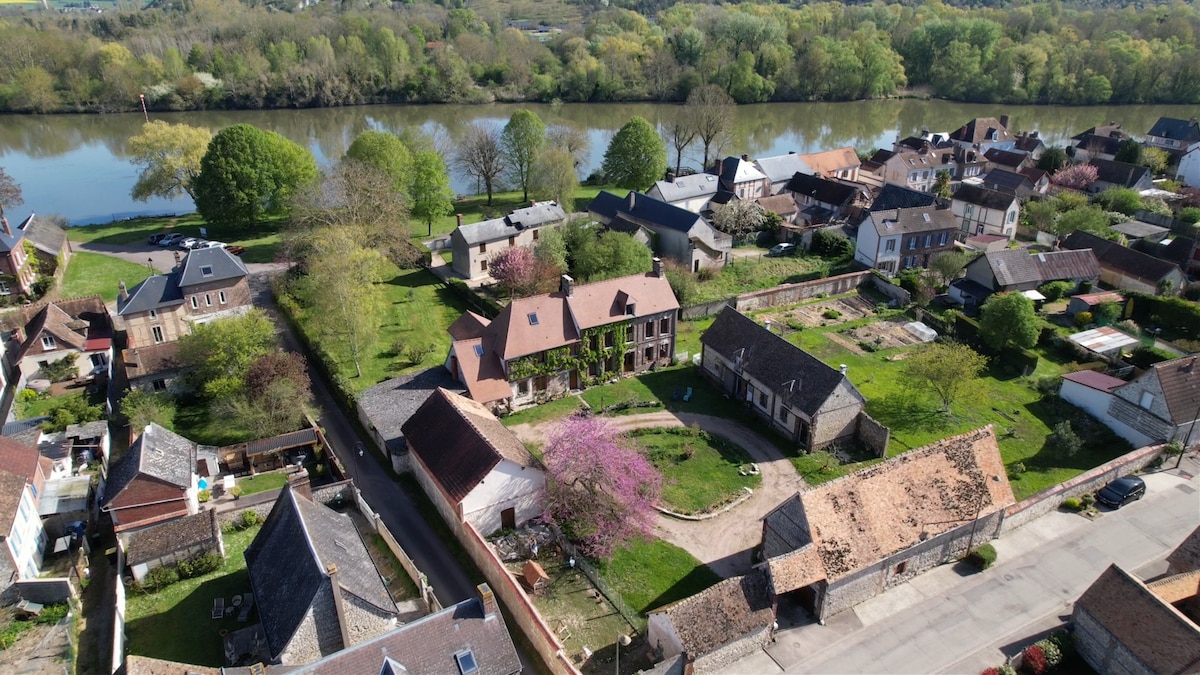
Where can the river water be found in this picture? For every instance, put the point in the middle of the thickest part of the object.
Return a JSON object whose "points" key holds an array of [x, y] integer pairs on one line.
{"points": [[78, 166]]}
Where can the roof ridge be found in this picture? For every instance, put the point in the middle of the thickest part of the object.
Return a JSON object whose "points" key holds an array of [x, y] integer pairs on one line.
{"points": [[924, 450], [469, 419]]}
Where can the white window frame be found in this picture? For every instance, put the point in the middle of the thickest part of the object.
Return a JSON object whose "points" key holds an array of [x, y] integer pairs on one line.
{"points": [[156, 333], [195, 302], [221, 297]]}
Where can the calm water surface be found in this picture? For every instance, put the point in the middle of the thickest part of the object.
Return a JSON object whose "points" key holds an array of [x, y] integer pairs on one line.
{"points": [[78, 165]]}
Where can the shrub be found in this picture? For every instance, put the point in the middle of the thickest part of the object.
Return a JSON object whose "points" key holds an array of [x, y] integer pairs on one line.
{"points": [[1033, 660], [1144, 357], [1189, 214], [204, 495], [983, 556], [236, 491], [1047, 385], [1065, 439], [1088, 500], [1016, 469], [27, 396], [160, 577], [794, 323], [200, 565], [1083, 318], [61, 370], [1072, 504], [867, 346], [416, 353], [249, 519], [1056, 290], [1007, 670], [831, 314], [1050, 651]]}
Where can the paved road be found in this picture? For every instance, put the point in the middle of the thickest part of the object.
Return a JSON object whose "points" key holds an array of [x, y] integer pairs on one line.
{"points": [[942, 621]]}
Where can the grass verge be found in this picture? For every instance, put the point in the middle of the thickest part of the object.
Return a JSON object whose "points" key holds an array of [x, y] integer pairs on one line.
{"points": [[91, 273], [653, 573]]}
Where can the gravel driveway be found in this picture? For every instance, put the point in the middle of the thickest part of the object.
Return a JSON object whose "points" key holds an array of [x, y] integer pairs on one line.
{"points": [[724, 543]]}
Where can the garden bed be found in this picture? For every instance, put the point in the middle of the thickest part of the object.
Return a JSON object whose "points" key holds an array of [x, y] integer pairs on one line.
{"points": [[701, 472]]}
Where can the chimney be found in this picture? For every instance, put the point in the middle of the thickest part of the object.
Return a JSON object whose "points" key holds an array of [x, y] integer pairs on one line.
{"points": [[1004, 121], [178, 259], [567, 285], [670, 177], [632, 199], [122, 292], [339, 604], [717, 166], [488, 599], [658, 268], [459, 216], [745, 158], [300, 483], [844, 368]]}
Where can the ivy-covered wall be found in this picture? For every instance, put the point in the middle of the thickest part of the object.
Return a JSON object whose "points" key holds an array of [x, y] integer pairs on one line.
{"points": [[562, 358]]}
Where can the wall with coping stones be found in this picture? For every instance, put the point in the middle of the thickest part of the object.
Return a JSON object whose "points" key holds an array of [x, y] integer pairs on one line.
{"points": [[790, 294], [722, 658]]}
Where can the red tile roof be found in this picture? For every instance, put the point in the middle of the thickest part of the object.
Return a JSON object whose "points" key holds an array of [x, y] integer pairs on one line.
{"points": [[1094, 380]]}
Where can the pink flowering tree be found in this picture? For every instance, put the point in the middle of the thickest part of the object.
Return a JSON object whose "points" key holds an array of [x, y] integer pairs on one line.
{"points": [[599, 489], [515, 268], [1075, 176]]}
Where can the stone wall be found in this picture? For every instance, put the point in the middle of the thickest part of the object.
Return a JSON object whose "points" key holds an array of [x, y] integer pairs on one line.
{"points": [[831, 426], [1101, 649], [901, 296], [790, 294], [1051, 498], [873, 435], [721, 659]]}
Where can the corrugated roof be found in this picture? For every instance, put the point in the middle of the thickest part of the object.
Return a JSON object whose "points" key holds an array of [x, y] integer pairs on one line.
{"points": [[1094, 380], [1104, 340]]}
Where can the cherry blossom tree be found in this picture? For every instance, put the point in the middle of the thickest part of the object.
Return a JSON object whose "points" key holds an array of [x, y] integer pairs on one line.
{"points": [[599, 489], [1076, 176], [515, 268]]}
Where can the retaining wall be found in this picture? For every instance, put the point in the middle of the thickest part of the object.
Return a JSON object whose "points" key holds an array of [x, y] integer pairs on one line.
{"points": [[790, 294]]}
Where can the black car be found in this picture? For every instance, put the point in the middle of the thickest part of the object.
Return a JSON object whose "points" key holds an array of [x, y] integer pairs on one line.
{"points": [[155, 238], [1122, 491]]}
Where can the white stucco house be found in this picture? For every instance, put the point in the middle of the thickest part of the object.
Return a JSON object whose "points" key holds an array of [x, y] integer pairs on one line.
{"points": [[23, 474], [1093, 392], [474, 469]]}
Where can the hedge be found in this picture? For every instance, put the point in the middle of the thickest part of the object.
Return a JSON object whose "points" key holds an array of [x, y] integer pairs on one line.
{"points": [[1175, 314], [1020, 359]]}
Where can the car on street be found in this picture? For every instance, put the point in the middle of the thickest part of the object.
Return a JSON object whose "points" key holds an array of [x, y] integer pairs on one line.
{"points": [[155, 238], [1122, 491], [170, 239], [780, 250], [189, 243]]}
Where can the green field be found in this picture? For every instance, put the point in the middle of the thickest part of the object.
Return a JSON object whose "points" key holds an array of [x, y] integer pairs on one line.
{"points": [[90, 273], [700, 471]]}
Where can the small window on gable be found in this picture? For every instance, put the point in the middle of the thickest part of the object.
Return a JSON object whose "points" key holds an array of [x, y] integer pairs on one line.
{"points": [[466, 662], [478, 350], [206, 270], [48, 342], [1147, 400], [533, 318]]}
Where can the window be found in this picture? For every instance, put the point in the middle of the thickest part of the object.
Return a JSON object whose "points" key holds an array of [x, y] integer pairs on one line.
{"points": [[928, 240], [594, 343], [969, 209], [890, 246], [206, 270], [664, 326], [195, 303], [1012, 216], [943, 238], [912, 243], [1147, 400], [483, 265], [156, 331], [99, 359], [648, 355], [483, 248], [650, 328], [153, 314], [48, 342], [221, 295], [159, 385], [609, 339], [4, 288], [478, 350], [523, 388], [762, 399], [466, 662], [208, 299], [924, 174], [512, 241], [912, 177], [533, 318], [664, 350], [901, 568], [783, 415]]}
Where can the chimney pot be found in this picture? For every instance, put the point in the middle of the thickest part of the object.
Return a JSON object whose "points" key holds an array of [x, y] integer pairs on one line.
{"points": [[300, 483], [121, 290], [566, 285], [488, 599], [1004, 121], [745, 158], [459, 217]]}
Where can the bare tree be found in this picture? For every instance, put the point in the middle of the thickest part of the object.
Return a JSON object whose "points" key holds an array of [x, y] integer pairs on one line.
{"points": [[481, 156], [10, 194], [571, 138], [680, 132], [711, 111]]}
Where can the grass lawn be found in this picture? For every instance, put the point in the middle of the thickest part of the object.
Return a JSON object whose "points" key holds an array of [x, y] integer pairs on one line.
{"points": [[475, 209], [262, 482], [687, 335], [174, 623], [743, 275], [700, 471], [578, 618], [195, 421], [261, 243], [650, 574], [90, 273], [660, 385], [547, 411]]}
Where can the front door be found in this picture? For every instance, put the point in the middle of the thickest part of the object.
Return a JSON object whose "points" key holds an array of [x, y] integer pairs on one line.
{"points": [[508, 519], [574, 379]]}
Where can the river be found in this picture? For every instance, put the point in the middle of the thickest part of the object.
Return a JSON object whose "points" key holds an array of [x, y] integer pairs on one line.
{"points": [[77, 165]]}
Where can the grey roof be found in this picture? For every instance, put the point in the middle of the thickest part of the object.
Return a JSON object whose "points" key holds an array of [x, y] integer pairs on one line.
{"points": [[497, 229], [722, 613], [1119, 173], [821, 189], [1007, 182], [897, 197], [911, 221], [9, 242], [289, 559], [388, 405], [1137, 229], [46, 235], [206, 265], [158, 453], [1179, 130], [782, 167], [25, 431], [161, 540], [1108, 145], [1004, 157], [1112, 255], [981, 196], [800, 378], [687, 187], [1014, 266], [155, 292], [645, 210]]}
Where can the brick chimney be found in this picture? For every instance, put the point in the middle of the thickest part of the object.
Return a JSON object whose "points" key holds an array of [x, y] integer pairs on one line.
{"points": [[488, 599], [658, 268], [300, 483], [567, 285], [1004, 121], [4, 224], [122, 291]]}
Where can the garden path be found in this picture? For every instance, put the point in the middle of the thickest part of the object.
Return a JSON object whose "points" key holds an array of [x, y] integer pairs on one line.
{"points": [[726, 542]]}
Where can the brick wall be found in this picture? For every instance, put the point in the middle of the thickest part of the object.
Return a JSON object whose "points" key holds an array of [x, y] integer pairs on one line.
{"points": [[1101, 649]]}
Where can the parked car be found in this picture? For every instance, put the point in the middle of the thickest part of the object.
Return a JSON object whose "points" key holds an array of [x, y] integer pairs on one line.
{"points": [[188, 243], [210, 244], [236, 250], [1122, 491], [155, 238], [170, 239], [780, 250]]}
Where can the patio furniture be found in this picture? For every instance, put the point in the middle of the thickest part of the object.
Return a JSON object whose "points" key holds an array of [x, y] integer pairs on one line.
{"points": [[237, 600], [218, 608], [246, 606]]}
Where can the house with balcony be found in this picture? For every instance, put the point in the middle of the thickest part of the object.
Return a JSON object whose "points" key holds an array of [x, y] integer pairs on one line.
{"points": [[543, 346], [77, 329], [979, 210], [900, 239], [473, 245], [669, 231]]}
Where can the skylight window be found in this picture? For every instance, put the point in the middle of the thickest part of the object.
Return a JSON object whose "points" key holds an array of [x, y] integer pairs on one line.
{"points": [[206, 270], [533, 320], [925, 216], [478, 350], [466, 662]]}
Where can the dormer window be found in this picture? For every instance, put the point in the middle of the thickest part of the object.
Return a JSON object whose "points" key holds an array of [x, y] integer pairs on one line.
{"points": [[630, 309], [48, 342], [206, 270]]}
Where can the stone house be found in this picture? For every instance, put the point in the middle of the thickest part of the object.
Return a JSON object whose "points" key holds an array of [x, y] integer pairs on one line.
{"points": [[1158, 406], [780, 169], [983, 134], [473, 245], [893, 241], [473, 468], [840, 164], [809, 402], [690, 193], [154, 481], [1127, 269], [23, 475], [154, 368], [984, 211], [669, 231], [545, 345], [172, 542], [845, 541], [384, 408], [316, 589], [1178, 137], [716, 626], [1111, 173], [1186, 556], [79, 329], [738, 176], [51, 248], [207, 284], [18, 269]]}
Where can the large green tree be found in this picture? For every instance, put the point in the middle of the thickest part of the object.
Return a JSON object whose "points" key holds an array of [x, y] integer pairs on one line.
{"points": [[429, 188], [1009, 320], [611, 254], [554, 177], [142, 407], [248, 173], [522, 138], [345, 301], [216, 355], [944, 369], [386, 152], [636, 157], [169, 155]]}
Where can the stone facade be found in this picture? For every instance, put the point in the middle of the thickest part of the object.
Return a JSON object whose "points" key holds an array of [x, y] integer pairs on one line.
{"points": [[1141, 406], [720, 660], [201, 303]]}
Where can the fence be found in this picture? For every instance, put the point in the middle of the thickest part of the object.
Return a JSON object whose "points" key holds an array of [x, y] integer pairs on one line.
{"points": [[611, 594], [1163, 220], [410, 568]]}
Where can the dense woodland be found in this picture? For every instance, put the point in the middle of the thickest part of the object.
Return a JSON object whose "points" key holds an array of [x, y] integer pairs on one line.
{"points": [[228, 54]]}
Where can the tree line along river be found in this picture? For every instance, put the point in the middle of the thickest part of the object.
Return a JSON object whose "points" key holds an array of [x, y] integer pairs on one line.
{"points": [[78, 165]]}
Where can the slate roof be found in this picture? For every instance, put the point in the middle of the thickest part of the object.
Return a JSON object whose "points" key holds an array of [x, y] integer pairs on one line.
{"points": [[736, 170], [800, 378], [45, 234], [25, 431], [828, 162], [206, 265], [79, 323], [1119, 173], [1005, 157], [911, 221], [8, 242], [1179, 380], [1158, 635], [1137, 229], [1178, 251], [645, 209], [1177, 130], [782, 167], [498, 229], [427, 646], [722, 613], [897, 197], [292, 439], [821, 189], [1014, 266], [1112, 255], [157, 453], [979, 130], [1106, 145], [388, 405], [1007, 182], [1112, 130], [157, 541], [688, 187], [150, 360], [155, 292], [288, 564], [981, 196], [460, 442]]}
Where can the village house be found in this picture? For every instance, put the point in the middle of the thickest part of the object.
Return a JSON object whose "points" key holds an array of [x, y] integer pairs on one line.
{"points": [[207, 284], [172, 542], [669, 231], [892, 197], [23, 473], [845, 541], [915, 169], [690, 193], [983, 211], [781, 205], [1002, 180], [1099, 142], [1180, 138], [1088, 302], [820, 200], [154, 368], [1015, 269], [1157, 406], [780, 169], [316, 589], [78, 329], [545, 345], [1127, 269], [893, 241], [809, 402], [1119, 175], [739, 176], [984, 133], [473, 468], [17, 269], [155, 480], [474, 245], [1008, 160], [840, 164]]}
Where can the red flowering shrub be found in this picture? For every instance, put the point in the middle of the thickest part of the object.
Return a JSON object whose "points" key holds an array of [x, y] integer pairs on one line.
{"points": [[1033, 660]]}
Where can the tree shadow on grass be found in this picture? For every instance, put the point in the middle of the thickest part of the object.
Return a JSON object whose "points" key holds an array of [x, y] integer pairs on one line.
{"points": [[700, 578], [1100, 444], [186, 632], [904, 412]]}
